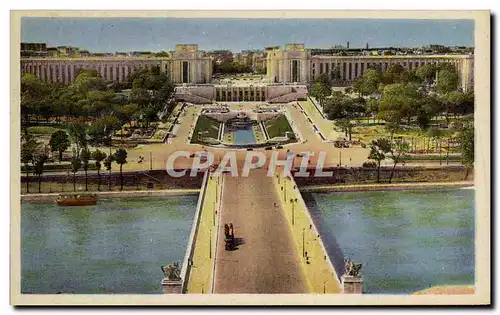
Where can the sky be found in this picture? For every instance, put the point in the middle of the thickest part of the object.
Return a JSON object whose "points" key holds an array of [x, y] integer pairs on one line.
{"points": [[157, 34]]}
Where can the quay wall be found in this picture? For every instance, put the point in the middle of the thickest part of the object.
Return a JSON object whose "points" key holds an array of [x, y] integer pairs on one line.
{"points": [[116, 194], [365, 175]]}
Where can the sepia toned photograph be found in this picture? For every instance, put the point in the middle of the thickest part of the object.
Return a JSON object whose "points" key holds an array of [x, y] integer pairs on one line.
{"points": [[250, 157]]}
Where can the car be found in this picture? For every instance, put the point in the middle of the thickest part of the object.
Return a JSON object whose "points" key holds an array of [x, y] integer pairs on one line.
{"points": [[279, 147], [249, 149], [268, 148]]}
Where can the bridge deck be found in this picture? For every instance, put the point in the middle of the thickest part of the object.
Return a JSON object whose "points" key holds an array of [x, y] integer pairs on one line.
{"points": [[265, 260]]}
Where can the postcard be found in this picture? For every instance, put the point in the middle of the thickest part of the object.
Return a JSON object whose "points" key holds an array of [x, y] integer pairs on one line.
{"points": [[250, 158]]}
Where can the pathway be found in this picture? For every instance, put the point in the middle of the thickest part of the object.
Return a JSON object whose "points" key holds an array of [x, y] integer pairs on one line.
{"points": [[265, 260]]}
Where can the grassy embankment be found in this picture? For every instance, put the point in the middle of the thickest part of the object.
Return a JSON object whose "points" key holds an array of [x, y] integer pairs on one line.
{"points": [[278, 127], [327, 127], [207, 127]]}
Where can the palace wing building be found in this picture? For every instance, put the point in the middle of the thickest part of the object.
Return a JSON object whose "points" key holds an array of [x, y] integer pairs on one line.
{"points": [[186, 64], [287, 75], [296, 64]]}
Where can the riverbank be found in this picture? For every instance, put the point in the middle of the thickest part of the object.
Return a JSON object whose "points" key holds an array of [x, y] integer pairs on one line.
{"points": [[448, 289], [116, 194], [382, 187]]}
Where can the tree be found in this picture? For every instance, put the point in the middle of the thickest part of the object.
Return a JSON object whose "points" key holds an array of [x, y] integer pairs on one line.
{"points": [[320, 91], [346, 125], [372, 107], [88, 80], [467, 105], [339, 106], [398, 151], [108, 163], [377, 153], [85, 156], [101, 131], [38, 169], [152, 90], [78, 134], [34, 96], [368, 83], [427, 73], [59, 142], [98, 157], [452, 102], [393, 74], [466, 146], [447, 81], [121, 158], [398, 102], [76, 163], [127, 113], [29, 147]]}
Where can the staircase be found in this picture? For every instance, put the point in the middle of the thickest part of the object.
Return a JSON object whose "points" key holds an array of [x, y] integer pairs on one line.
{"points": [[297, 94]]}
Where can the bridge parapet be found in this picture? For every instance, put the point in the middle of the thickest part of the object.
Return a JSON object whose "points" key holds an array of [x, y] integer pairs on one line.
{"points": [[315, 262], [197, 269]]}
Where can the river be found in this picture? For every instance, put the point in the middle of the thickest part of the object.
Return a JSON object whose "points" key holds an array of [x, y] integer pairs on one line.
{"points": [[406, 240], [116, 246]]}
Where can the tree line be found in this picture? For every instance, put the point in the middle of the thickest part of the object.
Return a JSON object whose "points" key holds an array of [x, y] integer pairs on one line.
{"points": [[34, 158], [400, 98], [95, 103], [396, 96]]}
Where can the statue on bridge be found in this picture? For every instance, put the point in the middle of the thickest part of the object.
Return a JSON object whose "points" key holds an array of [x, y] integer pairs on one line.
{"points": [[350, 268], [172, 271]]}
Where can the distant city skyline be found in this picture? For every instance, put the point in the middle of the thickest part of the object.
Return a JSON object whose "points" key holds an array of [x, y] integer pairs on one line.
{"points": [[110, 35]]}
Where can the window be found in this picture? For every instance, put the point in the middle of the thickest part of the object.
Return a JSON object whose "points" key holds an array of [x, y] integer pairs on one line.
{"points": [[295, 71], [185, 72]]}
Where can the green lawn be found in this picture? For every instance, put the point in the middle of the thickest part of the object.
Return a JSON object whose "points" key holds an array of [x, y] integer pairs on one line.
{"points": [[45, 130], [209, 127], [277, 127], [327, 127]]}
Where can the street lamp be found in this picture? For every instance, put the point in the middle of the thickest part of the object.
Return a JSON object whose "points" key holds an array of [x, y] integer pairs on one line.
{"points": [[293, 202], [150, 160], [284, 190], [303, 242], [210, 239]]}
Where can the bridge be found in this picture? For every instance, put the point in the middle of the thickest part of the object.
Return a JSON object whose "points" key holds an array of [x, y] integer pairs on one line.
{"points": [[277, 246]]}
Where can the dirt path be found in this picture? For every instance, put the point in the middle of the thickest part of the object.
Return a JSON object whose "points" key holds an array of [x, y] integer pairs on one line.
{"points": [[265, 260]]}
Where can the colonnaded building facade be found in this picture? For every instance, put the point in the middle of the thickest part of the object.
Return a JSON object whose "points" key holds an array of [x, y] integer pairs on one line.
{"points": [[288, 71]]}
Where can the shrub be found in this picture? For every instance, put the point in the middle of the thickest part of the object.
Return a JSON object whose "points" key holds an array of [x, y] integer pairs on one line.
{"points": [[369, 164]]}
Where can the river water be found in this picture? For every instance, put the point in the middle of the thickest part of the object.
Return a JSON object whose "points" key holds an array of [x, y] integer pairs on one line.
{"points": [[116, 246], [406, 240]]}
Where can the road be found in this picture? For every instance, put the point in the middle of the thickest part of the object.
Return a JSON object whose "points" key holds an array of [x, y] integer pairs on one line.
{"points": [[265, 260]]}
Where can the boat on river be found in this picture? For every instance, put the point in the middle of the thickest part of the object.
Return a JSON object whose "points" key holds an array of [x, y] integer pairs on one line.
{"points": [[76, 199]]}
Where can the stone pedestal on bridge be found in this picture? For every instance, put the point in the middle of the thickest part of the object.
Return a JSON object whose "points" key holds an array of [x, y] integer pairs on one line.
{"points": [[352, 284], [171, 286]]}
